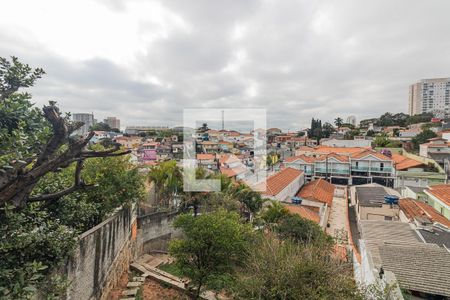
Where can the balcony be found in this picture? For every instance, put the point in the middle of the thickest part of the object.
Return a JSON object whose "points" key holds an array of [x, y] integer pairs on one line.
{"points": [[360, 169], [381, 170], [332, 171]]}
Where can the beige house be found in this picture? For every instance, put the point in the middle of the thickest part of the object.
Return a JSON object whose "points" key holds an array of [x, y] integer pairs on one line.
{"points": [[371, 203]]}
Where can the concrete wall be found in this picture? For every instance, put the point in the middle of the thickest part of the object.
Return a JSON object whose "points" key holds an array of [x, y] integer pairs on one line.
{"points": [[102, 255], [155, 230]]}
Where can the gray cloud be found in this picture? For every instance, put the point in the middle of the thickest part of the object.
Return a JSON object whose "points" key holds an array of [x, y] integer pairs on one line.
{"points": [[298, 59]]}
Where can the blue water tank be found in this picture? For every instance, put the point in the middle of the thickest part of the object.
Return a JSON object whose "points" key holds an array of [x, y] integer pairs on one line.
{"points": [[391, 199], [296, 200]]}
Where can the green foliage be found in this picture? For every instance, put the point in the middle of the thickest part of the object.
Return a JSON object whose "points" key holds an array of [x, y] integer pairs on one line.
{"points": [[315, 131], [370, 133], [32, 245], [399, 119], [23, 130], [338, 122], [287, 270], [302, 231], [327, 130], [168, 181], [274, 212], [422, 138], [381, 141], [350, 135], [213, 245]]}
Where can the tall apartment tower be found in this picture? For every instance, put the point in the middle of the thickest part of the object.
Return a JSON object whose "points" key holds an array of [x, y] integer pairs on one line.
{"points": [[113, 122], [87, 119], [430, 95]]}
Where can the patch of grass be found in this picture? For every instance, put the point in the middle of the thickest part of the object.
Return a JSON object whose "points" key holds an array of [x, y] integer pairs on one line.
{"points": [[171, 269]]}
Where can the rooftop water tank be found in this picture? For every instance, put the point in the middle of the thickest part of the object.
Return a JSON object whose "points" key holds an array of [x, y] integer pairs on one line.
{"points": [[296, 200], [391, 199]]}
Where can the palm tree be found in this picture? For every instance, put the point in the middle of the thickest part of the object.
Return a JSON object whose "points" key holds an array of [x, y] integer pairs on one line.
{"points": [[167, 178], [338, 122], [250, 200]]}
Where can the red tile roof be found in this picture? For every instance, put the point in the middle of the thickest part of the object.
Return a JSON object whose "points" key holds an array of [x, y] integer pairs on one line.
{"points": [[318, 190], [231, 172], [414, 208], [307, 159], [304, 212], [370, 152], [403, 162], [205, 156], [440, 191], [341, 158], [279, 181]]}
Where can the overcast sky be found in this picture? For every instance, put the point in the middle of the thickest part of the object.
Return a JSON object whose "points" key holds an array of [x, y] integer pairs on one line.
{"points": [[144, 61]]}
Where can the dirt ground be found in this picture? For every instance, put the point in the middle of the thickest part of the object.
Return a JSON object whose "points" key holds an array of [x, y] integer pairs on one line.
{"points": [[152, 290], [116, 293]]}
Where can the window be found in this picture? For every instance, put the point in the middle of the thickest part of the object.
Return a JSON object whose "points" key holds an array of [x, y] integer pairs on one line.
{"points": [[381, 166], [387, 218], [442, 210]]}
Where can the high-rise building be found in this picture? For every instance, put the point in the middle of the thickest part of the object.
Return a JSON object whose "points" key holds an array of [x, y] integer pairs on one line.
{"points": [[87, 119], [430, 95], [113, 122], [351, 120]]}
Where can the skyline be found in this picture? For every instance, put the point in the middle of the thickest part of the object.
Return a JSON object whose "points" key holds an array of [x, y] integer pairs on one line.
{"points": [[145, 61]]}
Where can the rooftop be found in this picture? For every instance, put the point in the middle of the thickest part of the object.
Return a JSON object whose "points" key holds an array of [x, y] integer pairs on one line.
{"points": [[440, 191], [421, 267], [318, 190], [279, 181], [414, 209], [404, 163], [304, 212], [377, 233], [373, 194], [436, 236]]}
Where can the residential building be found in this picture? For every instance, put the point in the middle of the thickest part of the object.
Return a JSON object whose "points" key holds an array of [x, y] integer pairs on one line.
{"points": [[421, 214], [439, 198], [414, 192], [207, 161], [372, 203], [112, 122], [87, 119], [363, 143], [414, 171], [430, 95], [393, 253], [282, 186], [317, 194], [135, 130], [344, 165], [351, 120], [437, 149], [129, 142], [311, 213]]}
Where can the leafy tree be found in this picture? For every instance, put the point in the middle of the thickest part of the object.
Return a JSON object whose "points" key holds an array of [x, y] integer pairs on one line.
{"points": [[103, 127], [251, 201], [422, 138], [34, 142], [167, 178], [213, 245], [338, 122], [302, 231], [381, 141], [350, 135], [287, 270], [315, 130], [370, 133], [327, 130], [274, 212]]}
